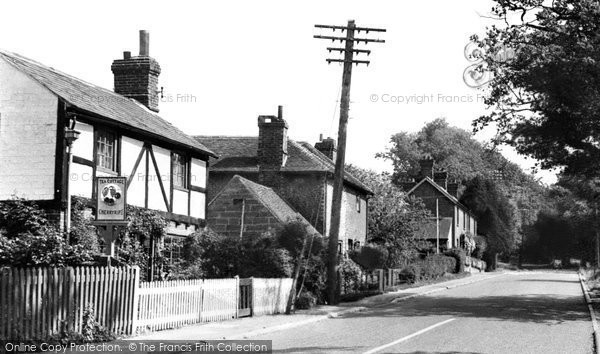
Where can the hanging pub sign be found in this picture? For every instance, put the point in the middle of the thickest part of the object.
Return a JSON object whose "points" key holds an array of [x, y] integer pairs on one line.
{"points": [[111, 201]]}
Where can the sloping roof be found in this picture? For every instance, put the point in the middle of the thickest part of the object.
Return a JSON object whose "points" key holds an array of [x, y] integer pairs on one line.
{"points": [[238, 154], [429, 230], [270, 200], [103, 102], [445, 193]]}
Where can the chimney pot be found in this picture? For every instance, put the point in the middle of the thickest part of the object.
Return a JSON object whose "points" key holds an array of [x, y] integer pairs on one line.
{"points": [[320, 137], [280, 112], [144, 43], [137, 77]]}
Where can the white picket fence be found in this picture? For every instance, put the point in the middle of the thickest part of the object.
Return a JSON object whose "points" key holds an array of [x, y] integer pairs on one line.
{"points": [[36, 303], [270, 296], [39, 302]]}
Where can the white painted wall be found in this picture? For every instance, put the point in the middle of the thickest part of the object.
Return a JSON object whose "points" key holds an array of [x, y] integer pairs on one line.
{"points": [[198, 205], [130, 150], [180, 202], [28, 120], [163, 161], [84, 145], [81, 180]]}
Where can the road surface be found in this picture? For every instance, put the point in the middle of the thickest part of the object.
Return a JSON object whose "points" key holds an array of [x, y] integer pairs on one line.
{"points": [[520, 312]]}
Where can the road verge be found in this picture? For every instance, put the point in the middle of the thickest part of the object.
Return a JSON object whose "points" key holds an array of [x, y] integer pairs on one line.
{"points": [[588, 300]]}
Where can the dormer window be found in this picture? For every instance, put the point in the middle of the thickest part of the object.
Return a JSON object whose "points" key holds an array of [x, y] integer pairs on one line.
{"points": [[180, 171], [106, 150]]}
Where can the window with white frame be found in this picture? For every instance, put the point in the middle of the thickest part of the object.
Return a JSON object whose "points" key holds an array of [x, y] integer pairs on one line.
{"points": [[106, 150], [180, 171]]}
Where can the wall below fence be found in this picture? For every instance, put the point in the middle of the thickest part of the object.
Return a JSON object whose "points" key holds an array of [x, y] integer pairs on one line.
{"points": [[36, 303]]}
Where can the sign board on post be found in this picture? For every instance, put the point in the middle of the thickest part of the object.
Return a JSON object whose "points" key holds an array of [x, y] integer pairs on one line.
{"points": [[111, 201], [111, 208]]}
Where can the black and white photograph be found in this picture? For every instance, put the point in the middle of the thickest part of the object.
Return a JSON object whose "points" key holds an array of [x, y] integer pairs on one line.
{"points": [[300, 177]]}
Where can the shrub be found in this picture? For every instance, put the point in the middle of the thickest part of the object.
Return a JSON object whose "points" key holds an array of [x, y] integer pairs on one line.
{"points": [[411, 273], [143, 226], [349, 276], [19, 216], [306, 300], [460, 257], [480, 247], [210, 255], [91, 331], [435, 266], [82, 231], [370, 256]]}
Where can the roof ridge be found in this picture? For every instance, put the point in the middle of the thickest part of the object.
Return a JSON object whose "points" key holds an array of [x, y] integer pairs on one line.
{"points": [[108, 104]]}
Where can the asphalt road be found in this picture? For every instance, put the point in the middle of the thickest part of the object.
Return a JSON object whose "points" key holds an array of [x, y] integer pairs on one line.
{"points": [[525, 312]]}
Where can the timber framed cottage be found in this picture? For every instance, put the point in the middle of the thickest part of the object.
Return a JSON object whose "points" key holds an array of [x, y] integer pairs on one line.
{"points": [[120, 134]]}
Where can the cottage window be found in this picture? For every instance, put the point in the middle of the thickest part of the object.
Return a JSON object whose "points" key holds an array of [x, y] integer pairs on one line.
{"points": [[357, 204], [180, 171], [106, 143], [174, 248]]}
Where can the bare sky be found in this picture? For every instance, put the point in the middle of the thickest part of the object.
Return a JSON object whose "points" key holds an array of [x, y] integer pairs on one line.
{"points": [[226, 62]]}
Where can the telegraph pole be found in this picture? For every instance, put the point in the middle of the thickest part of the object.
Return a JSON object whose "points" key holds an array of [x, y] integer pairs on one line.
{"points": [[338, 179]]}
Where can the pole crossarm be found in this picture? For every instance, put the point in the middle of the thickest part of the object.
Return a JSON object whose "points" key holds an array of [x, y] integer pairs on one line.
{"points": [[351, 39], [329, 61], [358, 29], [343, 50]]}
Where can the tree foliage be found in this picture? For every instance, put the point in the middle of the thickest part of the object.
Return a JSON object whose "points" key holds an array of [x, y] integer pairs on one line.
{"points": [[395, 220], [495, 213], [28, 239], [545, 58]]}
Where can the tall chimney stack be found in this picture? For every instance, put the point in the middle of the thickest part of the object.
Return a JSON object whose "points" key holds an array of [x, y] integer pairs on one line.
{"points": [[426, 167], [137, 77], [441, 178], [144, 43], [272, 148], [328, 147]]}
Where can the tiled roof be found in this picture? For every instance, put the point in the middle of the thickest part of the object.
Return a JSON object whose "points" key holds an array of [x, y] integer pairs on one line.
{"points": [[103, 102], [268, 198], [445, 193], [429, 230], [238, 154]]}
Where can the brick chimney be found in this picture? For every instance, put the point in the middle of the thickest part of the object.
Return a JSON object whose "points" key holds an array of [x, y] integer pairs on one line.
{"points": [[327, 146], [453, 188], [272, 148], [137, 77], [441, 178], [426, 168]]}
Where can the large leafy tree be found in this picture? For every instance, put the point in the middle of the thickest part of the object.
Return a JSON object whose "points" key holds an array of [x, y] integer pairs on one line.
{"points": [[544, 57]]}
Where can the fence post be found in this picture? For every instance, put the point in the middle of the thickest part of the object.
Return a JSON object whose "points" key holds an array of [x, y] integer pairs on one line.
{"points": [[390, 277], [237, 296], [380, 276], [136, 299]]}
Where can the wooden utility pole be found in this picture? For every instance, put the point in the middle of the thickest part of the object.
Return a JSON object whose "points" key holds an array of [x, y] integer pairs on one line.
{"points": [[338, 178], [437, 225]]}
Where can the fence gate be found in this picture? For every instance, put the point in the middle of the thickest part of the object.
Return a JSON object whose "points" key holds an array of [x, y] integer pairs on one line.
{"points": [[245, 301]]}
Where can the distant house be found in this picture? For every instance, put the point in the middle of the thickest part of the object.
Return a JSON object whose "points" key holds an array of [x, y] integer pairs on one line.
{"points": [[301, 174], [441, 199], [245, 209], [121, 134]]}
